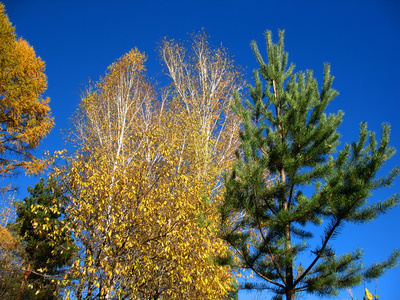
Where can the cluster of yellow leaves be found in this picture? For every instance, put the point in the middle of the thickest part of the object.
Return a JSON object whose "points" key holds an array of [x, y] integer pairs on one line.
{"points": [[24, 116], [138, 190], [142, 232], [7, 242], [9, 261]]}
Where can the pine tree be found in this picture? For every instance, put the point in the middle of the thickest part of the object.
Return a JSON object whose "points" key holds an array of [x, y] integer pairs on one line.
{"points": [[47, 247], [288, 147]]}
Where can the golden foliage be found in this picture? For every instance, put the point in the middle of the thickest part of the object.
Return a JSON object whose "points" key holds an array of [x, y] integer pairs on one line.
{"points": [[9, 261], [24, 115], [139, 190], [7, 242]]}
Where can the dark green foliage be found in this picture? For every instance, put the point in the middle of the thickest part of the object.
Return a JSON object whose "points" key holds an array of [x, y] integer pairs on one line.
{"points": [[287, 148], [47, 247], [41, 252]]}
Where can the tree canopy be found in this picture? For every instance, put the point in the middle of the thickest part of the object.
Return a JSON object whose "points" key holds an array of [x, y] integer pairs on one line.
{"points": [[169, 191], [24, 115], [142, 182], [289, 147], [36, 248]]}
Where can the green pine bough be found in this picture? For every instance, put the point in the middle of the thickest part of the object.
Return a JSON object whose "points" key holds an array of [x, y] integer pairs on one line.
{"points": [[47, 248], [289, 146]]}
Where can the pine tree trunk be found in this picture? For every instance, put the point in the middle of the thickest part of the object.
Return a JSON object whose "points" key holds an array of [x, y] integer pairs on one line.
{"points": [[288, 248], [290, 294], [289, 267]]}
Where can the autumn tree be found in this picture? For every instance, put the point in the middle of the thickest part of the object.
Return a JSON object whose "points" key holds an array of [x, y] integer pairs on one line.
{"points": [[203, 81], [289, 148], [136, 203], [10, 262], [9, 258], [24, 115]]}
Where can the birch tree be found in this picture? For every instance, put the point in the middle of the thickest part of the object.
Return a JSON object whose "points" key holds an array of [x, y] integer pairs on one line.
{"points": [[203, 80], [136, 204]]}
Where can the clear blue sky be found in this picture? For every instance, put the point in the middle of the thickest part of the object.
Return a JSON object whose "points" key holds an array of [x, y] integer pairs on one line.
{"points": [[361, 40]]}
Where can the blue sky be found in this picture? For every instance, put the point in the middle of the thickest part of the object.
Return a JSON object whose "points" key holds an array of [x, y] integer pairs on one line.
{"points": [[361, 40]]}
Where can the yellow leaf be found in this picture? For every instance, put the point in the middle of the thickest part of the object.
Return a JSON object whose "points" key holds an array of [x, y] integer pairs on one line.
{"points": [[368, 295]]}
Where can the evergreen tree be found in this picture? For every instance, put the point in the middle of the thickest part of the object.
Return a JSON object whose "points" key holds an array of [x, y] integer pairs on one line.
{"points": [[288, 147], [47, 247]]}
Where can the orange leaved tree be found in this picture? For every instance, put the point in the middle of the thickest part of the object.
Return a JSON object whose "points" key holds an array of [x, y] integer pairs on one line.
{"points": [[24, 115]]}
